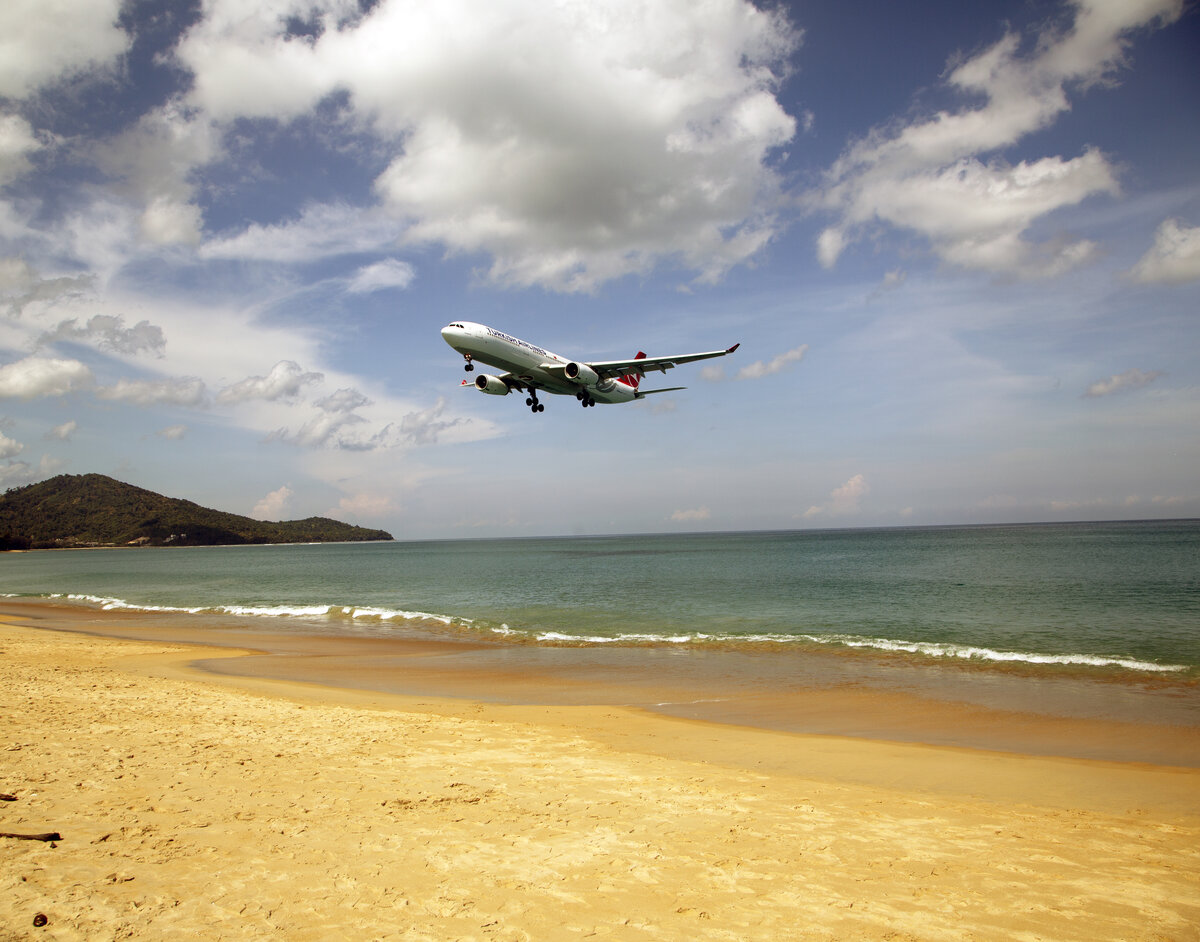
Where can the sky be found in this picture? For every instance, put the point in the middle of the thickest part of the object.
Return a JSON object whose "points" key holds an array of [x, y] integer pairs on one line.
{"points": [[958, 243]]}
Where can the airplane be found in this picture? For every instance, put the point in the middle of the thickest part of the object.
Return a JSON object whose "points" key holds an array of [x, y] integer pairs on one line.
{"points": [[530, 368]]}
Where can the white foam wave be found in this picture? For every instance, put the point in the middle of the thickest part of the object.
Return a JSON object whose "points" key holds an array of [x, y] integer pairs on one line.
{"points": [[974, 652]]}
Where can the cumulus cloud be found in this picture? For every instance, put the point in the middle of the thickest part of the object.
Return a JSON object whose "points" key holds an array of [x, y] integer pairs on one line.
{"points": [[330, 427], [183, 391], [8, 447], [155, 159], [14, 473], [285, 381], [274, 505], [842, 500], [934, 176], [390, 273], [572, 142], [1174, 258], [42, 41], [320, 231], [62, 433], [35, 377], [22, 287], [423, 427], [759, 368], [364, 506], [17, 143], [109, 331], [1122, 382]]}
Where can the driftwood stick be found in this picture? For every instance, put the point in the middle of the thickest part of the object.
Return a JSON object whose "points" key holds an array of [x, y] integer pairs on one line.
{"points": [[48, 836]]}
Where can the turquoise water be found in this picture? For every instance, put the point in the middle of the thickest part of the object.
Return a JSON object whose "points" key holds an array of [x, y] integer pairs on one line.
{"points": [[1110, 596]]}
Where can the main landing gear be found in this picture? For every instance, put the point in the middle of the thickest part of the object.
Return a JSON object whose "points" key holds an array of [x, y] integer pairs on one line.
{"points": [[585, 399], [532, 402], [469, 366]]}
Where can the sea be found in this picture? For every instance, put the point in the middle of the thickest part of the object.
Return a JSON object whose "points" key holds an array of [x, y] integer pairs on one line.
{"points": [[1113, 597]]}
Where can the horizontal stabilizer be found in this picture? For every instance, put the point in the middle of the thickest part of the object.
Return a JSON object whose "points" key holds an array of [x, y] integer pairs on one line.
{"points": [[647, 392]]}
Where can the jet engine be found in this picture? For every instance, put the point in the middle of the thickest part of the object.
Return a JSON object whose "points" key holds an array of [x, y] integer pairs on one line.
{"points": [[492, 385], [583, 374]]}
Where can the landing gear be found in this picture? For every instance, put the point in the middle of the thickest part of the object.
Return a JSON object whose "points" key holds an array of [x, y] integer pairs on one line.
{"points": [[532, 402], [469, 365], [585, 399]]}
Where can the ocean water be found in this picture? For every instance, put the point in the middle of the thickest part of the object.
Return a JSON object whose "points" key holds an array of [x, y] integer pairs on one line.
{"points": [[1107, 597]]}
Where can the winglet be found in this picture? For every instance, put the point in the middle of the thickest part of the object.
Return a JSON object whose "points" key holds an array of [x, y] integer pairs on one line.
{"points": [[734, 347]]}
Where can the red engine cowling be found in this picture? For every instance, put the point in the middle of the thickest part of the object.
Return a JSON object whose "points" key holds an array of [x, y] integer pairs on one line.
{"points": [[492, 385]]}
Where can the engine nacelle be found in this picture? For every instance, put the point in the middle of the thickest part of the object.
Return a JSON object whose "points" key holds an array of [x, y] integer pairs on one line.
{"points": [[492, 385], [582, 374]]}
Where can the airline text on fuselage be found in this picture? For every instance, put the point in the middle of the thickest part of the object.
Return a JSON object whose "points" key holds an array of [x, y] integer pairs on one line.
{"points": [[520, 343]]}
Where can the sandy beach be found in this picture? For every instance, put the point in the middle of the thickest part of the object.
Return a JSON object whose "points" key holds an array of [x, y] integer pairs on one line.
{"points": [[242, 807]]}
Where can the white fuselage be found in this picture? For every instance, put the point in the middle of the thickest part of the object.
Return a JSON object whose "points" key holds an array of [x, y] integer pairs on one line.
{"points": [[527, 362]]}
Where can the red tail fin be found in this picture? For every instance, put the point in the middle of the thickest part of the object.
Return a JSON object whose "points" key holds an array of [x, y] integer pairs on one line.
{"points": [[632, 379]]}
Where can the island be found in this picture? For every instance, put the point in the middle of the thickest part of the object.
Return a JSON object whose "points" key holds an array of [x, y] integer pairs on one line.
{"points": [[90, 510]]}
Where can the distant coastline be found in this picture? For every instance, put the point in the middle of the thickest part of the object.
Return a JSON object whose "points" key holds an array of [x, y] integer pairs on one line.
{"points": [[93, 511]]}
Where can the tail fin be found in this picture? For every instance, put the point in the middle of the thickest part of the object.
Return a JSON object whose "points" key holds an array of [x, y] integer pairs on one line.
{"points": [[633, 379]]}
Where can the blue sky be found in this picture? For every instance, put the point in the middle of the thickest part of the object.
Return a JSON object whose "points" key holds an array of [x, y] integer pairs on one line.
{"points": [[959, 244]]}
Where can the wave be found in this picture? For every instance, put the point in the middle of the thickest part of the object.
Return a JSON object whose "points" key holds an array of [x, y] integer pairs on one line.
{"points": [[269, 611], [929, 649]]}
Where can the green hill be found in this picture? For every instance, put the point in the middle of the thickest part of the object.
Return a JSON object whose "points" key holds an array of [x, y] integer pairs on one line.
{"points": [[95, 510]]}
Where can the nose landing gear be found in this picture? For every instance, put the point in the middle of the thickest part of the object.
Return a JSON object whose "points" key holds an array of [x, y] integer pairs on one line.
{"points": [[469, 365]]}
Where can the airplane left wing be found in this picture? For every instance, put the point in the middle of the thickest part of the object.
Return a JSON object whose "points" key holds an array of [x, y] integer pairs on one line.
{"points": [[615, 368]]}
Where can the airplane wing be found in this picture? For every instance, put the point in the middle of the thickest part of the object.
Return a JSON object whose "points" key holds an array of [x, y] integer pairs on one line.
{"points": [[616, 368]]}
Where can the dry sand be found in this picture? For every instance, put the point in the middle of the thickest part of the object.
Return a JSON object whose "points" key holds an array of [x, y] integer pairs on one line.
{"points": [[241, 809]]}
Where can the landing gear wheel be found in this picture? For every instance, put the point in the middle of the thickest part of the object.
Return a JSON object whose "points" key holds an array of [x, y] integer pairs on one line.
{"points": [[469, 367]]}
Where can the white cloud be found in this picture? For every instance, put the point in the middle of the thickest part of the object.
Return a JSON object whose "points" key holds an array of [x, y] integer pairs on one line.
{"points": [[842, 500], [274, 505], [932, 176], [1122, 382], [390, 273], [1175, 257], [23, 288], [329, 428], [35, 377], [109, 331], [572, 142], [691, 516], [184, 391], [364, 506], [425, 426], [155, 159], [8, 447], [14, 473], [173, 433], [17, 142], [63, 432], [285, 381], [44, 40], [321, 230], [759, 368], [715, 373]]}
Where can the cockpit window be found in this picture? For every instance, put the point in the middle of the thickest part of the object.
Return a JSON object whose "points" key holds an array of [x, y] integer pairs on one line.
{"points": [[459, 326]]}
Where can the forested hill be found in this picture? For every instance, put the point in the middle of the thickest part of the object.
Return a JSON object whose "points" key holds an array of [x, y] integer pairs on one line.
{"points": [[95, 510]]}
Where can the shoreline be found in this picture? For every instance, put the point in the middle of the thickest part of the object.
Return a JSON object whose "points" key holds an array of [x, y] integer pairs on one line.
{"points": [[239, 806], [1067, 714]]}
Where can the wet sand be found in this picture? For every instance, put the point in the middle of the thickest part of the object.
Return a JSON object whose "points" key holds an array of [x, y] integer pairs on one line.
{"points": [[233, 806]]}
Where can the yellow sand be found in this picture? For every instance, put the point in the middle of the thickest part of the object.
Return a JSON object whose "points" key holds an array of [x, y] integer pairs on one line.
{"points": [[191, 807]]}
